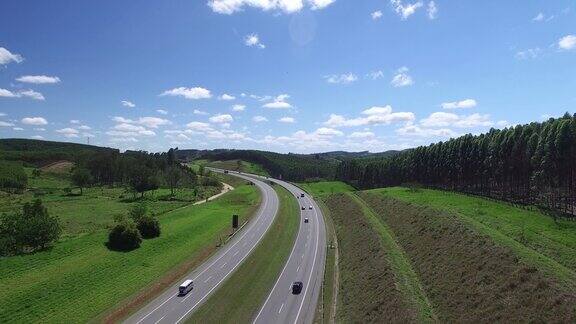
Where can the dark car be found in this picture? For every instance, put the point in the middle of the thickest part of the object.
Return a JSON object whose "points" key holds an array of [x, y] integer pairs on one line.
{"points": [[303, 208], [297, 287], [305, 220], [302, 195]]}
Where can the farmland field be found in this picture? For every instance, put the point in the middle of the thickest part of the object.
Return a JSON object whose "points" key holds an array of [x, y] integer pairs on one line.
{"points": [[79, 278]]}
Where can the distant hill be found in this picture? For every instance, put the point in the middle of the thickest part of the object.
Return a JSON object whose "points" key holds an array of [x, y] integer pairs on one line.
{"points": [[289, 166], [40, 153]]}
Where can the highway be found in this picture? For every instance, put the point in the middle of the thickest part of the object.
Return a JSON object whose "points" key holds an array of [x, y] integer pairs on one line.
{"points": [[305, 264], [169, 307]]}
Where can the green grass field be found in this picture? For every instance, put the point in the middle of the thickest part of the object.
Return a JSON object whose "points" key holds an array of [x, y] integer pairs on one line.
{"points": [[321, 188], [80, 278], [241, 296], [96, 208], [238, 165], [531, 228]]}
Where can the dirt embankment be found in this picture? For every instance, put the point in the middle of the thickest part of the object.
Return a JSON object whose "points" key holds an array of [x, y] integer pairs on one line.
{"points": [[367, 292], [466, 275]]}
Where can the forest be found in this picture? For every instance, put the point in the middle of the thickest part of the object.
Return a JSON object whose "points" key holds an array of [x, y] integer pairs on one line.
{"points": [[532, 164]]}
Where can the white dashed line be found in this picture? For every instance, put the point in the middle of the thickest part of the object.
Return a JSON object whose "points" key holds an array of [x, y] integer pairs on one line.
{"points": [[280, 310]]}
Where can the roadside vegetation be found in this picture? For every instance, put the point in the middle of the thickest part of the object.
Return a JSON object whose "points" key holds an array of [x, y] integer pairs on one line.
{"points": [[471, 271], [368, 290], [532, 164], [239, 299], [80, 278], [325, 187]]}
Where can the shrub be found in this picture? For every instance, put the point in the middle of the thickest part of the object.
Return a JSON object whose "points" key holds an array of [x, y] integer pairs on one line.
{"points": [[12, 176], [124, 236], [137, 212], [30, 230], [149, 227]]}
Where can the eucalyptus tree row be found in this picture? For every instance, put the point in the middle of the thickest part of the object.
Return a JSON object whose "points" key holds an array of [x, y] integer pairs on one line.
{"points": [[528, 164]]}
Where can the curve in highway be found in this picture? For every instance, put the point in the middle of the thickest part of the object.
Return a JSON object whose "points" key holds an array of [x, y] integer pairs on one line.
{"points": [[169, 307]]}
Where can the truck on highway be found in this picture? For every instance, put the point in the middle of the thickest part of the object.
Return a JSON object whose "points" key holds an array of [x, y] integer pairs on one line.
{"points": [[185, 287]]}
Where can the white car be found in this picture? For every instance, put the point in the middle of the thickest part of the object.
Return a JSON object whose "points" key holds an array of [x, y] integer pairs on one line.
{"points": [[305, 220], [310, 207]]}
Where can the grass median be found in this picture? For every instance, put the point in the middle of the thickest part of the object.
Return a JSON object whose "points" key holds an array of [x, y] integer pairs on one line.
{"points": [[239, 299]]}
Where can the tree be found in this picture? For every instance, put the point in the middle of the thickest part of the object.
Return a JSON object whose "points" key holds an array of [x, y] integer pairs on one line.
{"points": [[81, 177], [149, 227], [12, 176], [143, 179], [173, 177], [30, 230], [124, 236]]}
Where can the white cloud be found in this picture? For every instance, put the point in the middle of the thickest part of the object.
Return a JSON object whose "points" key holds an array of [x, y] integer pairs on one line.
{"points": [[530, 53], [374, 75], [23, 93], [198, 126], [5, 124], [279, 102], [226, 97], [415, 130], [162, 111], [238, 107], [128, 128], [253, 40], [260, 119], [7, 93], [376, 15], [229, 7], [153, 122], [463, 104], [287, 120], [74, 121], [128, 104], [84, 127], [444, 119], [39, 79], [405, 10], [37, 137], [567, 42], [538, 17], [374, 116], [6, 57], [40, 129], [183, 137], [402, 79], [362, 135], [188, 93], [325, 131], [18, 128], [432, 10], [221, 118], [37, 121], [346, 78], [68, 132], [199, 112]]}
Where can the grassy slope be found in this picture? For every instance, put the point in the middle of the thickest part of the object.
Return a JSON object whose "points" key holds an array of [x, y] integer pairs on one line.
{"points": [[368, 290], [244, 166], [240, 297], [533, 235], [80, 278], [325, 187], [406, 278]]}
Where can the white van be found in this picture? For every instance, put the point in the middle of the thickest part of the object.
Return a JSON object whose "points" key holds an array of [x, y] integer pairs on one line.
{"points": [[185, 287]]}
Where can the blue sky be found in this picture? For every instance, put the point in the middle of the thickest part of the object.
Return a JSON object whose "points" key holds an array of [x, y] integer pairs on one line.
{"points": [[281, 75]]}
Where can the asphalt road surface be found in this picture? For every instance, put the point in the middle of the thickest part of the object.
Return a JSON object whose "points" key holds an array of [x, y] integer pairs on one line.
{"points": [[169, 307], [305, 264]]}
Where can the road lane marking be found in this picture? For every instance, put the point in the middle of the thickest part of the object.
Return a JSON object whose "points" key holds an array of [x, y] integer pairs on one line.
{"points": [[280, 310], [236, 253], [297, 270], [155, 309], [312, 269], [223, 278], [205, 281], [223, 265], [159, 319]]}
